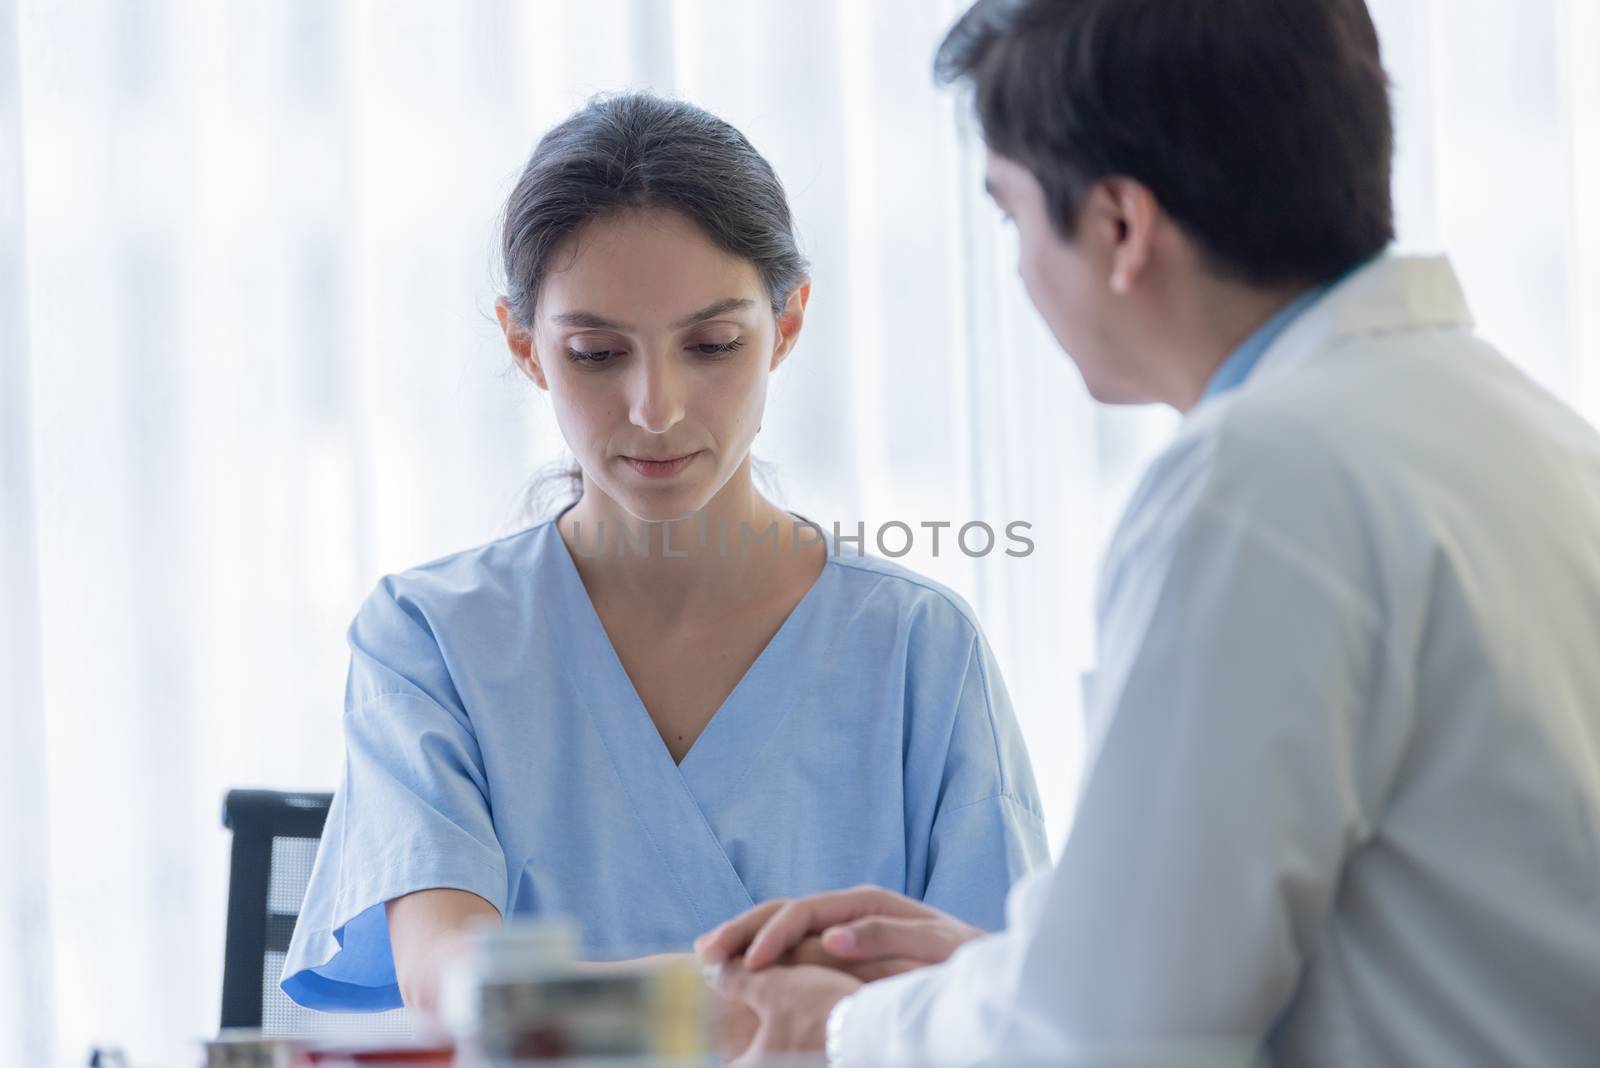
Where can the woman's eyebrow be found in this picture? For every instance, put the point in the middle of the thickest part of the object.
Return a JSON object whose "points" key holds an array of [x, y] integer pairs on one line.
{"points": [[588, 321], [711, 311], [591, 321]]}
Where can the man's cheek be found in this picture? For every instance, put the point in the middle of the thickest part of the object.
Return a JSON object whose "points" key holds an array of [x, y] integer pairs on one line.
{"points": [[1028, 270]]}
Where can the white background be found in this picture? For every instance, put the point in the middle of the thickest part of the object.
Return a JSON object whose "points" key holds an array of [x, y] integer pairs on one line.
{"points": [[248, 364]]}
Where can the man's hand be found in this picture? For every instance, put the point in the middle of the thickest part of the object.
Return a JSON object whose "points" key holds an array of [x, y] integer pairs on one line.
{"points": [[790, 1005], [866, 925], [811, 951]]}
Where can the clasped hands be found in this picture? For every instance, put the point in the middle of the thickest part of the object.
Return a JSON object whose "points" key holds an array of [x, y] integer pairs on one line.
{"points": [[785, 964]]}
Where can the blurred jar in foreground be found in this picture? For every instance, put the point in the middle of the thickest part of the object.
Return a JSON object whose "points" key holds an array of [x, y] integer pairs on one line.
{"points": [[518, 994]]}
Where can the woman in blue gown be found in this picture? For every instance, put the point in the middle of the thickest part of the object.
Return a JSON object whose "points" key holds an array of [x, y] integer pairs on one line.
{"points": [[660, 706]]}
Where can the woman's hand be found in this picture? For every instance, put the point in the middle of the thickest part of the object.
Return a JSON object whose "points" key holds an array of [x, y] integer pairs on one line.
{"points": [[864, 926], [779, 1011]]}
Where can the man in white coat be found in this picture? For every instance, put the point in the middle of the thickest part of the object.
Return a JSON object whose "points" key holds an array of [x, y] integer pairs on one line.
{"points": [[1341, 802]]}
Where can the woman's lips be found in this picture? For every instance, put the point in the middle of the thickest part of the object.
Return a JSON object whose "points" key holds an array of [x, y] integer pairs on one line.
{"points": [[659, 468]]}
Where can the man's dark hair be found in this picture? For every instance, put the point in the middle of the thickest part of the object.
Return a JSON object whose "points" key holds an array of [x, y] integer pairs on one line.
{"points": [[1261, 126]]}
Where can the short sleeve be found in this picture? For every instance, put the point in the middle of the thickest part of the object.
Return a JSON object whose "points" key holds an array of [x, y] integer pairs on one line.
{"points": [[988, 830], [411, 812]]}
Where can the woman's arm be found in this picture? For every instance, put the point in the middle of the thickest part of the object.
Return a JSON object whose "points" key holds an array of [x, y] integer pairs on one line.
{"points": [[429, 928], [987, 829], [426, 931], [413, 773]]}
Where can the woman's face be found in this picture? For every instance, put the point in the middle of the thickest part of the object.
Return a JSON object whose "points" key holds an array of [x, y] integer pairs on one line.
{"points": [[655, 346]]}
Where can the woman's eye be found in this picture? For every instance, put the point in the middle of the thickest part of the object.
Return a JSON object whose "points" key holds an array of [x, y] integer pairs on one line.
{"points": [[712, 348], [594, 356]]}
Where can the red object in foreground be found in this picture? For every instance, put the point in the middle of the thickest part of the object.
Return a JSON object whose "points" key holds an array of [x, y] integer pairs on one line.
{"points": [[339, 1056]]}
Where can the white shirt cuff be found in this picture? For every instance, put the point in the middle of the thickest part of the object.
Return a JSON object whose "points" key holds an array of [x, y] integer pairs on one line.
{"points": [[833, 1044]]}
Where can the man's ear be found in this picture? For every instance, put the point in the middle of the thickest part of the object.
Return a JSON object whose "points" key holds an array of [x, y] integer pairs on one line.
{"points": [[790, 320], [1131, 212], [520, 341]]}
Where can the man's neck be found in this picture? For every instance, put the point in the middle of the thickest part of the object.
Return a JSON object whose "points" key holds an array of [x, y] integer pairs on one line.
{"points": [[1219, 317]]}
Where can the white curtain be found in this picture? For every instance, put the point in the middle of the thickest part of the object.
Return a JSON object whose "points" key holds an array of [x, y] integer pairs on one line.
{"points": [[246, 286]]}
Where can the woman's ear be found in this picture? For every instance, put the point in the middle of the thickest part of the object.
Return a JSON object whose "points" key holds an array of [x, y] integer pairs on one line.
{"points": [[790, 320], [520, 342]]}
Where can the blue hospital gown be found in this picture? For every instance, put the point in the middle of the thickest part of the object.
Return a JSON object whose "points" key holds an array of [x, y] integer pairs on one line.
{"points": [[496, 745]]}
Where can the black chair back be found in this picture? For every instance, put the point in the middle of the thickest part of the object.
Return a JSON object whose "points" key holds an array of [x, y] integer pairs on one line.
{"points": [[275, 837]]}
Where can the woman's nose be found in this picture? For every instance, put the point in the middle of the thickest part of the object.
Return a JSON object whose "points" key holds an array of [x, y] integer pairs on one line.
{"points": [[657, 396]]}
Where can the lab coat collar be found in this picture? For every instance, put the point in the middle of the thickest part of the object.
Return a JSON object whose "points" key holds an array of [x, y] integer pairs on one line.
{"points": [[1392, 294]]}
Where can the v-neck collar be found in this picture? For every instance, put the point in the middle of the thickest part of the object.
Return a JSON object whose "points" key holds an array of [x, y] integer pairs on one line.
{"points": [[735, 731], [670, 800]]}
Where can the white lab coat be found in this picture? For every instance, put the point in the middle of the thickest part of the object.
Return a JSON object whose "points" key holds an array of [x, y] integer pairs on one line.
{"points": [[1342, 792]]}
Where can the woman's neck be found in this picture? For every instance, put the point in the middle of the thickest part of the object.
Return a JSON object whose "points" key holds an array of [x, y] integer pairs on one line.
{"points": [[728, 551]]}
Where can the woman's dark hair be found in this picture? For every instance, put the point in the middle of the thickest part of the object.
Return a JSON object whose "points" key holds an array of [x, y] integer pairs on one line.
{"points": [[1261, 126], [636, 150]]}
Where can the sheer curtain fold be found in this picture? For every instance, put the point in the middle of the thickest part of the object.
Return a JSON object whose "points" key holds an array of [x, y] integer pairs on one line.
{"points": [[250, 364], [26, 987], [1580, 34]]}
